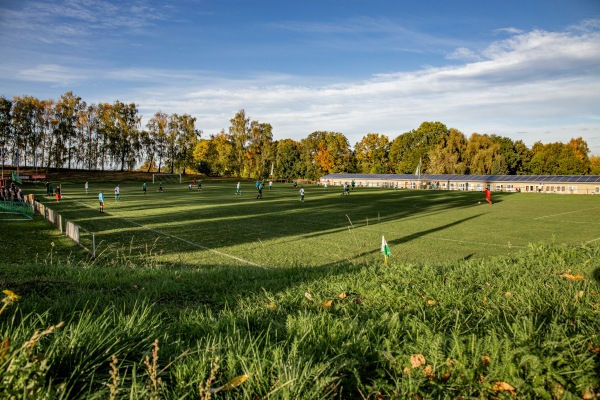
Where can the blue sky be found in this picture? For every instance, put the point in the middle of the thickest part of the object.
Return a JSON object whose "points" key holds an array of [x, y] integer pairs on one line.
{"points": [[525, 69]]}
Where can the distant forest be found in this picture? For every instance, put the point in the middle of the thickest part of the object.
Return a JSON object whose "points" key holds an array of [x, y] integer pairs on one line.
{"points": [[69, 133]]}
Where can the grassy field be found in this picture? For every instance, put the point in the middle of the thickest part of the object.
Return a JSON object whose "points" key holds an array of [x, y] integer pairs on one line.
{"points": [[211, 295], [215, 227]]}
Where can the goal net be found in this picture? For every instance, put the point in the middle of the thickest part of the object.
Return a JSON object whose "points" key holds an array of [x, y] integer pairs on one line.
{"points": [[166, 178]]}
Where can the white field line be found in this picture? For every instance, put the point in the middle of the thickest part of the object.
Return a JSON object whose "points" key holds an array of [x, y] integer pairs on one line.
{"points": [[593, 240], [449, 240], [479, 243], [568, 212], [181, 239]]}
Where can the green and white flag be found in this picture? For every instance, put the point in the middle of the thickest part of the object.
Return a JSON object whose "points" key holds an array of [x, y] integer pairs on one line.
{"points": [[385, 249], [418, 170]]}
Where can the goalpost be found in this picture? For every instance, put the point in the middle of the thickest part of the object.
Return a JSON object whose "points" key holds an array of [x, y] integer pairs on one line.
{"points": [[165, 178]]}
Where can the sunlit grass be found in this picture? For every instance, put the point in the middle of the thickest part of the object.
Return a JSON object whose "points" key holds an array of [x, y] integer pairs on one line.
{"points": [[318, 315]]}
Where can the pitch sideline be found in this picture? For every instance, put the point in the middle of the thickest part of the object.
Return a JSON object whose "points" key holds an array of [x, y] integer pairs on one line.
{"points": [[180, 239]]}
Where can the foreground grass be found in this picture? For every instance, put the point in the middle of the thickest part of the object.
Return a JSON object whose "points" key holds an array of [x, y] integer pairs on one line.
{"points": [[132, 327]]}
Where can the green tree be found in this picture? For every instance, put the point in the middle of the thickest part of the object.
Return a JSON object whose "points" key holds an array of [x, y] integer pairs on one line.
{"points": [[523, 158], [239, 134], [259, 150], [372, 154], [156, 142], [447, 156], [66, 112], [187, 139], [482, 157], [411, 147], [288, 163]]}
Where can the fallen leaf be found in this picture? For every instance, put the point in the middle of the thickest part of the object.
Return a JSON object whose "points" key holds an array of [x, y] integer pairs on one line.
{"points": [[326, 304], [273, 306], [502, 387], [485, 360], [572, 277], [431, 303], [234, 382], [308, 296], [446, 376], [5, 345], [428, 372], [416, 360], [342, 295], [593, 348]]}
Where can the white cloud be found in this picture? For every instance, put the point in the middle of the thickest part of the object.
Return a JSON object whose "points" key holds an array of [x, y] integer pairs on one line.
{"points": [[533, 86]]}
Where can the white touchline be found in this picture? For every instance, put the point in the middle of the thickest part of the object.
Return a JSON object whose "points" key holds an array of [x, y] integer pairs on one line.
{"points": [[183, 240], [568, 212]]}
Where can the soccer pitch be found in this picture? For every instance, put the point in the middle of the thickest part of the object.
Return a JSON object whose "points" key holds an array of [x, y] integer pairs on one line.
{"points": [[215, 227]]}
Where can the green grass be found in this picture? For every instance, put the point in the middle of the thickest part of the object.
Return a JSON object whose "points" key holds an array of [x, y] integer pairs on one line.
{"points": [[215, 227], [475, 310]]}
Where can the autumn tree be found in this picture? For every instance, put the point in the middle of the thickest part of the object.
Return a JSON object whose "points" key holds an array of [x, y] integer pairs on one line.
{"points": [[560, 159], [372, 154], [447, 156], [595, 165], [326, 152]]}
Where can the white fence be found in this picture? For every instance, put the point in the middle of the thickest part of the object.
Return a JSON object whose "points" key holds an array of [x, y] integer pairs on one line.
{"points": [[81, 236]]}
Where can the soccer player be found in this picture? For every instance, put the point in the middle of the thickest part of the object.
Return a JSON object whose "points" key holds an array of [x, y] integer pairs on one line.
{"points": [[238, 189], [353, 184], [144, 187], [302, 194], [86, 187], [117, 193], [58, 193], [190, 187], [270, 184], [295, 184], [199, 185], [159, 187], [101, 198], [488, 195], [260, 188]]}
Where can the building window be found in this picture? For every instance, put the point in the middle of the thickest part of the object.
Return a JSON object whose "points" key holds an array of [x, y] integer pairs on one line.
{"points": [[479, 187]]}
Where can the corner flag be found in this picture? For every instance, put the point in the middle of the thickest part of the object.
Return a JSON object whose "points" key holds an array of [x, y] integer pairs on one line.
{"points": [[385, 249]]}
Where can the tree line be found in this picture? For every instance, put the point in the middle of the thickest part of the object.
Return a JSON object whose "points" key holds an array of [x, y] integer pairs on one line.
{"points": [[69, 133]]}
